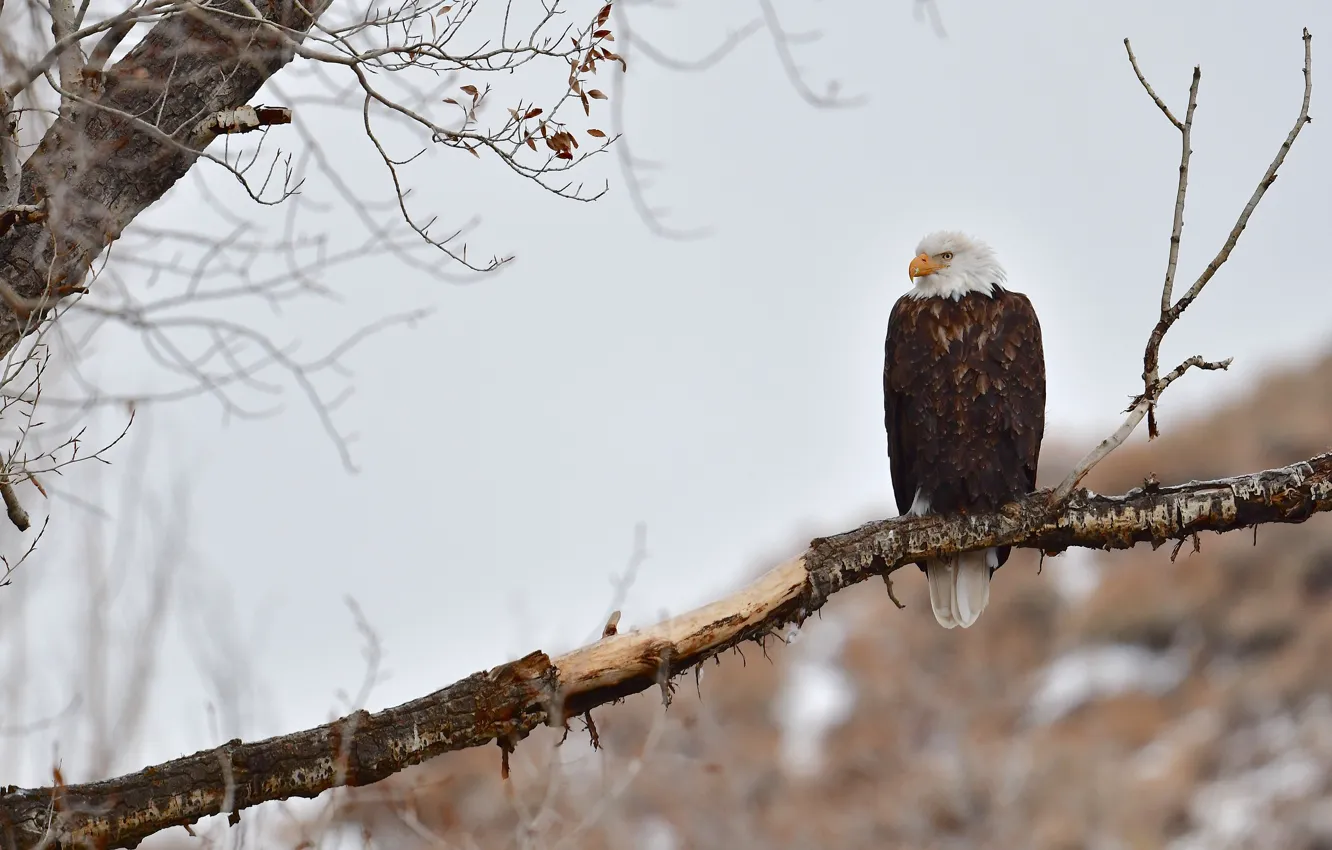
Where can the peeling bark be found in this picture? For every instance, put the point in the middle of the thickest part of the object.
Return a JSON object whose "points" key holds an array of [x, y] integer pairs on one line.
{"points": [[98, 167], [506, 703]]}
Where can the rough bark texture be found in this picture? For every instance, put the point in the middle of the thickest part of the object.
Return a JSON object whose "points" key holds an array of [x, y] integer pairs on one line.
{"points": [[632, 662], [511, 700], [503, 704], [97, 169]]}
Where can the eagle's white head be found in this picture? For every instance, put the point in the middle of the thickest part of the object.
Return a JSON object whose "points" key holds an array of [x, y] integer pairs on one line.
{"points": [[950, 264]]}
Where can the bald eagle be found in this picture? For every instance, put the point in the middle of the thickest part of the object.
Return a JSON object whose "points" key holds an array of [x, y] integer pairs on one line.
{"points": [[963, 403]]}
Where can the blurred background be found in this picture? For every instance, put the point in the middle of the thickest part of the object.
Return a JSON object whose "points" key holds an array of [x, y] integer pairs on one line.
{"points": [[705, 382]]}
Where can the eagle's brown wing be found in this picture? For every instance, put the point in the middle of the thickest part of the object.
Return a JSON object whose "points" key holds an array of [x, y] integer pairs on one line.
{"points": [[904, 481], [964, 400]]}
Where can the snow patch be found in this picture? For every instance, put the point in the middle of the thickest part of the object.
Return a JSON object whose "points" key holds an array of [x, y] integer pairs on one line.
{"points": [[1076, 574], [816, 697], [656, 833], [1195, 731], [1266, 767], [1088, 674], [1234, 811]]}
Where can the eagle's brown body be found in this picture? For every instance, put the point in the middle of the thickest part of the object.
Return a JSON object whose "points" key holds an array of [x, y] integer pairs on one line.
{"points": [[964, 402]]}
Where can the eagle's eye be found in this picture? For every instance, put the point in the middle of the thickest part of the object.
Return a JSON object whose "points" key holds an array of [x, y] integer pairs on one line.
{"points": [[946, 255]]}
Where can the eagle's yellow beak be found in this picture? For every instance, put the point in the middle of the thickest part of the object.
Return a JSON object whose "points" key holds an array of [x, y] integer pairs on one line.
{"points": [[921, 266]]}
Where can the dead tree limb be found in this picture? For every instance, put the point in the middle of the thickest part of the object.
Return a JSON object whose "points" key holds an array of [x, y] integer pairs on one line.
{"points": [[1153, 383], [509, 701]]}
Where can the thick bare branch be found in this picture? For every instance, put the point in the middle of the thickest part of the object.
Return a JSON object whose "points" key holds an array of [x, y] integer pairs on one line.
{"points": [[100, 167], [13, 507], [509, 701]]}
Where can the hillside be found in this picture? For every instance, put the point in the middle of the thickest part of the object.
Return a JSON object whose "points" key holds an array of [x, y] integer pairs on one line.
{"points": [[1109, 700]]}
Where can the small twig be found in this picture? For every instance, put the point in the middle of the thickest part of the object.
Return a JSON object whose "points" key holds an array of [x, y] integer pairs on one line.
{"points": [[1170, 313], [781, 40], [1151, 356], [1135, 411], [10, 569], [625, 581], [1154, 386], [24, 307], [888, 580], [506, 747], [1177, 227], [1133, 60], [592, 731]]}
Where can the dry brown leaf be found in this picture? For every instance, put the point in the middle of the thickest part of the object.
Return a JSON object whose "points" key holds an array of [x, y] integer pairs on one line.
{"points": [[595, 132], [596, 94], [532, 113], [470, 90]]}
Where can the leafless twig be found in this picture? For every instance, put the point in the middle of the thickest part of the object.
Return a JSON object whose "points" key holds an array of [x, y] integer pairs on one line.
{"points": [[1153, 384]]}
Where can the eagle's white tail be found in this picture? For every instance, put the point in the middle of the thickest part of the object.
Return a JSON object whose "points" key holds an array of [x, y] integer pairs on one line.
{"points": [[960, 587]]}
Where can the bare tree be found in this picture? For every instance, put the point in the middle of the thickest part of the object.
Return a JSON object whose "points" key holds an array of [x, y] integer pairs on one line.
{"points": [[506, 703], [107, 105]]}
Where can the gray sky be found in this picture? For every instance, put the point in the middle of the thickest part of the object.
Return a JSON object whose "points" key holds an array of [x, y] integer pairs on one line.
{"points": [[725, 391]]}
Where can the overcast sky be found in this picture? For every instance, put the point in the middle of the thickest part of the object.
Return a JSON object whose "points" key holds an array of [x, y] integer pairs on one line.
{"points": [[724, 391]]}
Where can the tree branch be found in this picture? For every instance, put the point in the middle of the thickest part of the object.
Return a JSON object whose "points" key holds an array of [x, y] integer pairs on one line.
{"points": [[1170, 313], [1139, 408], [243, 119], [1153, 384], [11, 165], [119, 151], [509, 701], [70, 60]]}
